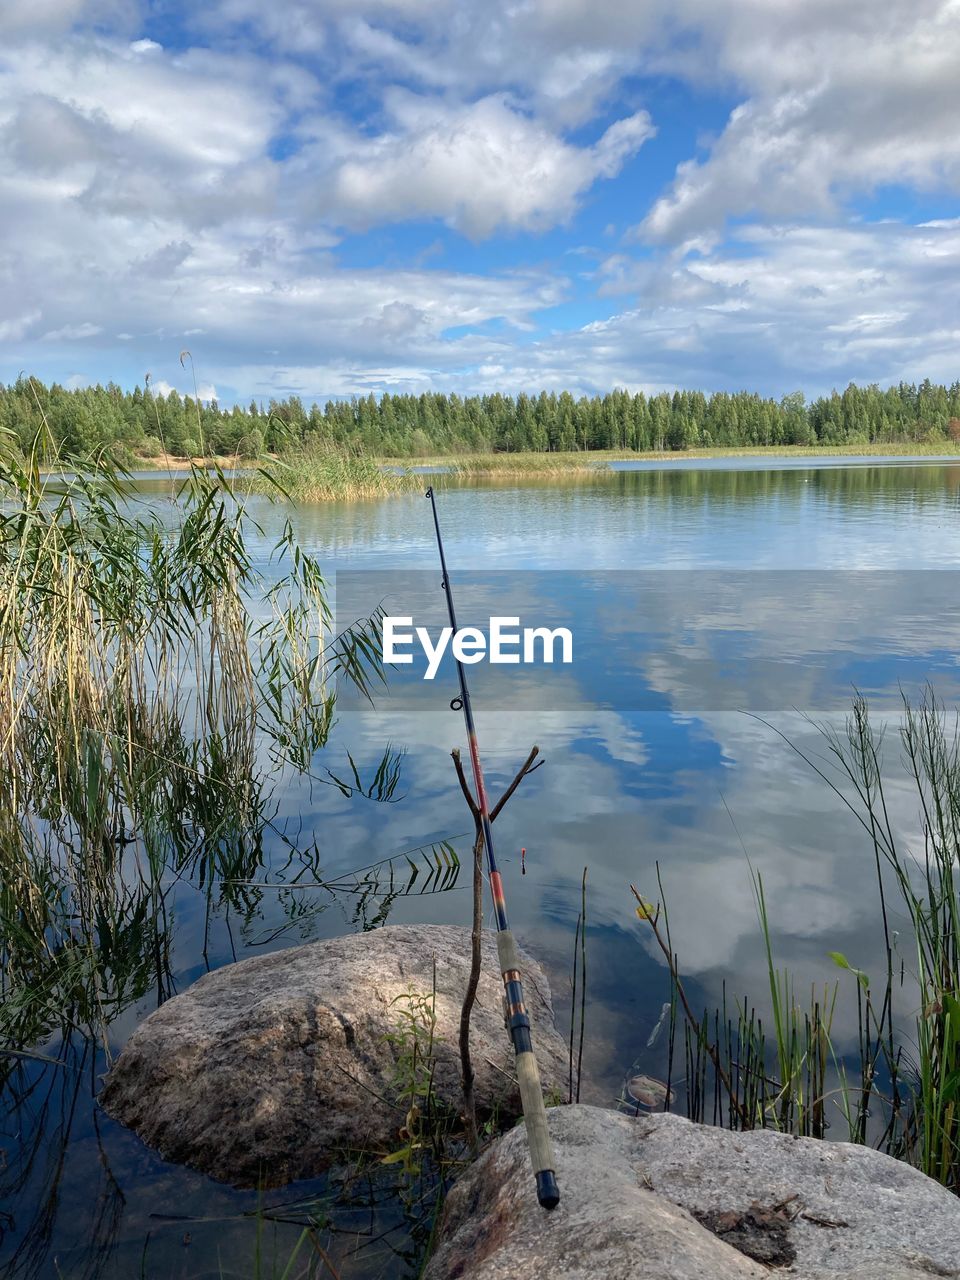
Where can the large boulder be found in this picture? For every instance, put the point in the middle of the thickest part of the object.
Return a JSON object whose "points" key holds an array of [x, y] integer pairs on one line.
{"points": [[657, 1196], [270, 1069]]}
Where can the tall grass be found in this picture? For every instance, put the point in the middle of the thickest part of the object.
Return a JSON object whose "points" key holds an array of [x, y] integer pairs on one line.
{"points": [[901, 1089], [926, 1122], [521, 464], [322, 473], [144, 669]]}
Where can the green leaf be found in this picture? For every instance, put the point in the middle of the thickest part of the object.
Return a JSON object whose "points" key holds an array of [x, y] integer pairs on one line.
{"points": [[841, 961], [950, 1089], [394, 1157]]}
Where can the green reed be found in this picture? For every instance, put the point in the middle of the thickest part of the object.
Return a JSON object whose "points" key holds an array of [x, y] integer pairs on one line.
{"points": [[521, 464], [901, 1091], [322, 472], [144, 667], [743, 1073], [924, 1105], [155, 688]]}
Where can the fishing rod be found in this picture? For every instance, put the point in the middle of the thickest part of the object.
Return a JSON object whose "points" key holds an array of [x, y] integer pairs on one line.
{"points": [[518, 1021]]}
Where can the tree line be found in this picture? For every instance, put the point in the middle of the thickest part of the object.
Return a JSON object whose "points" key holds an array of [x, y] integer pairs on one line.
{"points": [[144, 423]]}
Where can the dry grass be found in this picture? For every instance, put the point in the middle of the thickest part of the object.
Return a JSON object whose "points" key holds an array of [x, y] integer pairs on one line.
{"points": [[327, 475], [487, 464], [521, 464]]}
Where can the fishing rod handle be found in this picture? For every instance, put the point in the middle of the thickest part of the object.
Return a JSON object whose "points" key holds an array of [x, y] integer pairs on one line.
{"points": [[528, 1075]]}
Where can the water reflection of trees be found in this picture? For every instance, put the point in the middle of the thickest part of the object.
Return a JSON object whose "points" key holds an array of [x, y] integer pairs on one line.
{"points": [[874, 485]]}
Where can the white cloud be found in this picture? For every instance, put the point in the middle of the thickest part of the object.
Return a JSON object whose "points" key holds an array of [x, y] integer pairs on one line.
{"points": [[48, 17], [118, 144], [196, 108], [479, 167], [15, 326], [73, 332], [206, 390], [838, 104], [138, 132], [832, 99], [233, 290], [798, 305], [152, 191], [793, 306]]}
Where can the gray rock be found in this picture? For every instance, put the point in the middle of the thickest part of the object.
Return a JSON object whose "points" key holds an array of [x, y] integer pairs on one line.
{"points": [[660, 1197], [269, 1069]]}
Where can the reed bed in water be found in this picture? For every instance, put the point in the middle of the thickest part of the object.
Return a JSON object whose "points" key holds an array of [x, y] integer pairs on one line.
{"points": [[521, 464], [148, 680], [900, 1090], [586, 460], [325, 473]]}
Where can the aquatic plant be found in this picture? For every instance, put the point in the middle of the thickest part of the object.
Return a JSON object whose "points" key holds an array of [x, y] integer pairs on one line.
{"points": [[902, 1090], [521, 464], [578, 977], [924, 1101], [144, 669], [322, 472]]}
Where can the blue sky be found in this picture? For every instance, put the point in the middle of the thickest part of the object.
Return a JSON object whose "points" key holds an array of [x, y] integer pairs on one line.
{"points": [[333, 197]]}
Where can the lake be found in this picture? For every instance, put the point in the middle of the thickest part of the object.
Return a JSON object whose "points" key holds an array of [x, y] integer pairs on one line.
{"points": [[713, 604]]}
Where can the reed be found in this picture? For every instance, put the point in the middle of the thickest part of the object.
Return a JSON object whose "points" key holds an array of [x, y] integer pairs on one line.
{"points": [[901, 1089], [143, 667], [323, 473], [739, 1073], [924, 1102], [522, 464], [526, 462]]}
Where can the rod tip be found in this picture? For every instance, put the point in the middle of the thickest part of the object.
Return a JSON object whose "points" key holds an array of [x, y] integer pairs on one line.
{"points": [[548, 1193]]}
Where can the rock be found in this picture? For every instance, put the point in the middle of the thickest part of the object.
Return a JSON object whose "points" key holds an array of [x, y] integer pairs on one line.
{"points": [[657, 1196], [268, 1069]]}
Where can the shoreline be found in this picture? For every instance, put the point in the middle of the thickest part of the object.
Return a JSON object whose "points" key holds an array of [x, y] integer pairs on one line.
{"points": [[586, 459], [522, 463]]}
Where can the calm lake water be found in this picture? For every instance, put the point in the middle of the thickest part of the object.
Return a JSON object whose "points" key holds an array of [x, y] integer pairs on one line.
{"points": [[780, 589]]}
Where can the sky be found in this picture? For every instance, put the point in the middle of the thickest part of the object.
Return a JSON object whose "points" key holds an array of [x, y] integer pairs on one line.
{"points": [[332, 197]]}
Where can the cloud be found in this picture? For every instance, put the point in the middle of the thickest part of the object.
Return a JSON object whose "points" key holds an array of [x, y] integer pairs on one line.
{"points": [[197, 137], [308, 26], [808, 306], [206, 390], [836, 106], [832, 101], [15, 326], [72, 332], [127, 135], [204, 183], [47, 136], [233, 290], [778, 308], [478, 167], [20, 18]]}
